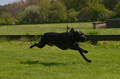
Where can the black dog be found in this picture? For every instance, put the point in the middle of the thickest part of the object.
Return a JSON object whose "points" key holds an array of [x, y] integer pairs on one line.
{"points": [[64, 41]]}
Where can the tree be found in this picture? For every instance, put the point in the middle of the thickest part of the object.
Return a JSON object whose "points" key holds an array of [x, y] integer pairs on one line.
{"points": [[117, 7], [96, 10], [44, 9], [78, 4], [67, 3], [20, 18], [72, 15], [57, 11], [32, 13], [16, 7], [6, 18], [117, 10], [33, 2], [84, 14], [110, 4], [74, 4], [3, 9]]}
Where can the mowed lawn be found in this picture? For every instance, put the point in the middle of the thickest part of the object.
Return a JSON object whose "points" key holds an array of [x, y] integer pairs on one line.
{"points": [[38, 29], [17, 61]]}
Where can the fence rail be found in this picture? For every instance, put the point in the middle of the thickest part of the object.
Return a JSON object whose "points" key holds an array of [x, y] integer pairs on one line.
{"points": [[89, 37], [103, 37]]}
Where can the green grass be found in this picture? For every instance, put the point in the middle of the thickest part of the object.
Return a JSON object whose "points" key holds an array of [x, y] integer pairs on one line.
{"points": [[38, 29], [17, 61]]}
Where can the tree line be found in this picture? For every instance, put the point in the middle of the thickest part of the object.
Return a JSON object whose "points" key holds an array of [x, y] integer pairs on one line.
{"points": [[57, 11]]}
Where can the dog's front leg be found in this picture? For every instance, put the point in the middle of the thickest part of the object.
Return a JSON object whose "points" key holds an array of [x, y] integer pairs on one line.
{"points": [[80, 51], [76, 47], [85, 51], [84, 56]]}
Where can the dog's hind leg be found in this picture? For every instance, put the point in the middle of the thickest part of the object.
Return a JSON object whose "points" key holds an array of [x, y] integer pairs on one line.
{"points": [[33, 45], [39, 45]]}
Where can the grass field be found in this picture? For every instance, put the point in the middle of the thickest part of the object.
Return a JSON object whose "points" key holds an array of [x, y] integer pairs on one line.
{"points": [[38, 29], [17, 61]]}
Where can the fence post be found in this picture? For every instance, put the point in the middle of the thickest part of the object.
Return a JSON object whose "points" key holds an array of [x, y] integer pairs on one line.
{"points": [[94, 25], [67, 28]]}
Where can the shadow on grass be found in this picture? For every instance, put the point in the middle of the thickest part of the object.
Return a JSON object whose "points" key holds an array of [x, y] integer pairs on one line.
{"points": [[43, 63]]}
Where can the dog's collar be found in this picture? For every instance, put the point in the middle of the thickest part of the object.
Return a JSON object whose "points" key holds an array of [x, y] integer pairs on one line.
{"points": [[72, 35]]}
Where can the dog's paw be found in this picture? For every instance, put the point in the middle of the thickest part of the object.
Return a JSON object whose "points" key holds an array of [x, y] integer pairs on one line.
{"points": [[31, 46], [89, 61], [85, 51]]}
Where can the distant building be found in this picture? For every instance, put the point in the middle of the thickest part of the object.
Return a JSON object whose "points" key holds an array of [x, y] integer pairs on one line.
{"points": [[113, 23]]}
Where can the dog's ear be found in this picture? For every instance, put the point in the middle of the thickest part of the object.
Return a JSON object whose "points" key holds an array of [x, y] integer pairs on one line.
{"points": [[71, 30]]}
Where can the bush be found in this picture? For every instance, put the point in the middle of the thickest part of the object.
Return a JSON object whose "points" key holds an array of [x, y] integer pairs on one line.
{"points": [[4, 39], [3, 22], [72, 15], [31, 14], [6, 19], [24, 39], [95, 11], [117, 10], [93, 33], [57, 11]]}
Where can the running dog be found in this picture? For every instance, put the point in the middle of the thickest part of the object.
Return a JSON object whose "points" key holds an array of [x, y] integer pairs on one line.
{"points": [[66, 40]]}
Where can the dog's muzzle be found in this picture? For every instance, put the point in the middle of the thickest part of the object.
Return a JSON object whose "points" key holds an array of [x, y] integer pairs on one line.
{"points": [[84, 39]]}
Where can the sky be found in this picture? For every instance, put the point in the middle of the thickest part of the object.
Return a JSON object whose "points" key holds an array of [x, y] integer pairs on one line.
{"points": [[3, 2]]}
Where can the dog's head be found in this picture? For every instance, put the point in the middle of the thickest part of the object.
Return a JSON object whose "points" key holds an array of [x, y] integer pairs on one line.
{"points": [[77, 35]]}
